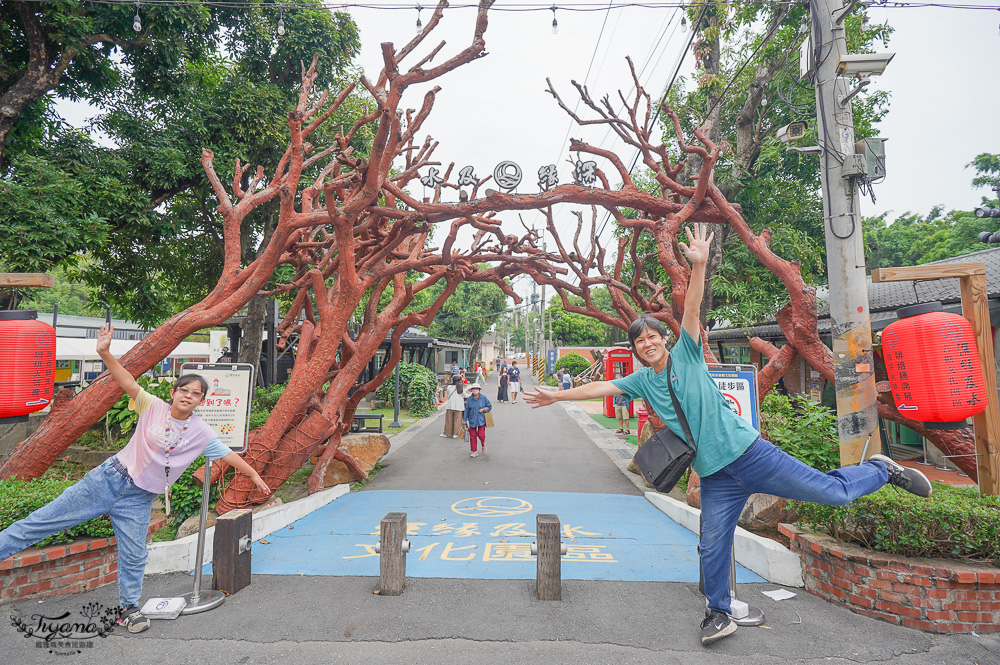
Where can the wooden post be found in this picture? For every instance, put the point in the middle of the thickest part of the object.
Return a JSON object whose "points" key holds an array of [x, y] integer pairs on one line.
{"points": [[975, 308], [26, 279], [392, 555], [231, 551], [548, 582]]}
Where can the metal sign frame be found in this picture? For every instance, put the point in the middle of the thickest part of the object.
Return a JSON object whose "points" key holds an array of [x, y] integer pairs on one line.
{"points": [[740, 373], [232, 386]]}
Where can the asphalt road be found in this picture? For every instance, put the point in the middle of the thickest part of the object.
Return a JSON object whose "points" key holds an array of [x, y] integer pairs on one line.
{"points": [[310, 619]]}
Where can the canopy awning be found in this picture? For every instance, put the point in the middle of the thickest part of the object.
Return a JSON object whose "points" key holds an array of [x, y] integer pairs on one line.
{"points": [[75, 348]]}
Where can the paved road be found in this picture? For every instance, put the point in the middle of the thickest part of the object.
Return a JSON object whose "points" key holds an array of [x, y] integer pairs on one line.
{"points": [[309, 619]]}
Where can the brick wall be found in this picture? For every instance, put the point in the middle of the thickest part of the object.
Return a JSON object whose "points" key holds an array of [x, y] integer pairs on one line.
{"points": [[58, 570], [936, 595]]}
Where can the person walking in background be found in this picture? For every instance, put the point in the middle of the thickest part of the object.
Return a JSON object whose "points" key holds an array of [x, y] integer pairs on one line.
{"points": [[567, 380], [621, 403], [502, 389], [455, 369], [732, 459], [514, 381], [454, 406], [474, 418]]}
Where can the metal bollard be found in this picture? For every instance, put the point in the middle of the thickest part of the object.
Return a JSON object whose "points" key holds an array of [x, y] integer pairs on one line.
{"points": [[392, 549], [549, 550]]}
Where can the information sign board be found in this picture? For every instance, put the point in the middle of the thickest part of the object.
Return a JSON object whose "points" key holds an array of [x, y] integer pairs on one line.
{"points": [[738, 384], [226, 407], [553, 356]]}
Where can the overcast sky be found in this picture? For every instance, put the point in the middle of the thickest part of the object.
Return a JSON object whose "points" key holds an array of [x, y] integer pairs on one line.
{"points": [[943, 111], [943, 83]]}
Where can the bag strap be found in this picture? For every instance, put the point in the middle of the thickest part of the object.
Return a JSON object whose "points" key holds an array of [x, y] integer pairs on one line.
{"points": [[679, 410]]}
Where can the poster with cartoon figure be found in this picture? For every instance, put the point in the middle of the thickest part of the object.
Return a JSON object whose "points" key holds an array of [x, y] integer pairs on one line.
{"points": [[226, 408]]}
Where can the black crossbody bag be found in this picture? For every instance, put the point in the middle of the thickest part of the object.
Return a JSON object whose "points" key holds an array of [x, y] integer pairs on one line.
{"points": [[664, 458]]}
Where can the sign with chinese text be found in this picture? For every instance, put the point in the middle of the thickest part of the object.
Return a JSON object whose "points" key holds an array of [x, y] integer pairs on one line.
{"points": [[738, 384], [226, 407]]}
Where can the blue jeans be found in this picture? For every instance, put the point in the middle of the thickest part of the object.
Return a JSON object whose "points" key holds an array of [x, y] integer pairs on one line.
{"points": [[767, 469], [104, 490]]}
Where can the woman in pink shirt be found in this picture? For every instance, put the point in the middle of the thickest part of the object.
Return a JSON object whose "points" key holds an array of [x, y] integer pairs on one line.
{"points": [[167, 439]]}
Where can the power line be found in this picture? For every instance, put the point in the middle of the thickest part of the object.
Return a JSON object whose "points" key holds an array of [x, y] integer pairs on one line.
{"points": [[514, 7]]}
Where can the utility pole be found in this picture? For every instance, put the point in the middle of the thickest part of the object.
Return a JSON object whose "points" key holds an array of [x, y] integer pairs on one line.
{"points": [[545, 339], [853, 360]]}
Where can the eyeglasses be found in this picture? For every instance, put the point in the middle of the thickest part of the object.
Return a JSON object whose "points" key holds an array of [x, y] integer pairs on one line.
{"points": [[192, 393]]}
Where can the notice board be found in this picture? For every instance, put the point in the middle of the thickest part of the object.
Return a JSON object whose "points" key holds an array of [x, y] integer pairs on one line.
{"points": [[226, 407]]}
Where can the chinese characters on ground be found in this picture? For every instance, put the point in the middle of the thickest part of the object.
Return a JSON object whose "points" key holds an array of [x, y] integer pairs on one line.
{"points": [[455, 537]]}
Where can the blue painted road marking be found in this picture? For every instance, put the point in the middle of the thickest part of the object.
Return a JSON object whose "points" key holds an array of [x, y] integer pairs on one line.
{"points": [[488, 535]]}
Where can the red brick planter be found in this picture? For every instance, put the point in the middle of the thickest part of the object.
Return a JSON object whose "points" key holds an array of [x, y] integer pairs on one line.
{"points": [[936, 595], [58, 570]]}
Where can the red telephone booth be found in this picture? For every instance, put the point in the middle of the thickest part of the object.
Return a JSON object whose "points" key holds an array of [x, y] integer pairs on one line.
{"points": [[616, 361], [27, 363]]}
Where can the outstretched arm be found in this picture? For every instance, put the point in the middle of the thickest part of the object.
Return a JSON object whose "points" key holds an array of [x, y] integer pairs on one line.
{"points": [[697, 254], [586, 391], [118, 373], [234, 460]]}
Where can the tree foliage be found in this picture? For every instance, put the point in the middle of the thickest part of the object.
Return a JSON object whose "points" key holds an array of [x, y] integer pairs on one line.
{"points": [[140, 204]]}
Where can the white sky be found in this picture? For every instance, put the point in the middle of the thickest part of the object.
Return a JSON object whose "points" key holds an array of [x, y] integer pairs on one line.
{"points": [[943, 82]]}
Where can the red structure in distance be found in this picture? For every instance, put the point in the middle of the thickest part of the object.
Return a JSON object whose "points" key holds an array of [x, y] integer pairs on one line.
{"points": [[616, 361]]}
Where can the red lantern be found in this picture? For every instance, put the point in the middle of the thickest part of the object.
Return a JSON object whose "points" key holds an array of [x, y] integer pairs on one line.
{"points": [[27, 363], [933, 366]]}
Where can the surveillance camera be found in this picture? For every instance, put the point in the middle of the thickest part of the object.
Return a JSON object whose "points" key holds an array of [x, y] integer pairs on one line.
{"points": [[793, 131], [863, 64]]}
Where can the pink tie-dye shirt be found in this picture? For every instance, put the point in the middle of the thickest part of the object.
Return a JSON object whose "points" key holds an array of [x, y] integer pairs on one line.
{"points": [[144, 455]]}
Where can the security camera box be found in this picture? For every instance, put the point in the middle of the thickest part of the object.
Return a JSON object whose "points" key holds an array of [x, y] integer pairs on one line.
{"points": [[164, 608]]}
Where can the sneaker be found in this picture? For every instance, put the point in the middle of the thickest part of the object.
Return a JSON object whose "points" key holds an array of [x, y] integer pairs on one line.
{"points": [[474, 454], [133, 620], [455, 436], [911, 480], [716, 626], [445, 436]]}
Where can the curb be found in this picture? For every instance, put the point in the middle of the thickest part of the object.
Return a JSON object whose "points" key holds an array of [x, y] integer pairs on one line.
{"points": [[179, 555], [769, 559]]}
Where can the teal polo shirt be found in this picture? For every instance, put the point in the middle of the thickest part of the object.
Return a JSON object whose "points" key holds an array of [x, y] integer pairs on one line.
{"points": [[720, 434]]}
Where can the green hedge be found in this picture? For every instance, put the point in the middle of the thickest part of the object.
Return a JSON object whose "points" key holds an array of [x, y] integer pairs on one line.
{"points": [[20, 498], [417, 388], [804, 429], [955, 522], [573, 362]]}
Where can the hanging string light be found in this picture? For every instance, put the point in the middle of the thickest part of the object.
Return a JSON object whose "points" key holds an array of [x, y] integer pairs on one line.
{"points": [[864, 22], [684, 18], [555, 23], [420, 24], [136, 23], [281, 23]]}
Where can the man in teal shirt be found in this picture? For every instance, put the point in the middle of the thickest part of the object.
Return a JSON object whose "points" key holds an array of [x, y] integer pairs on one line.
{"points": [[732, 460]]}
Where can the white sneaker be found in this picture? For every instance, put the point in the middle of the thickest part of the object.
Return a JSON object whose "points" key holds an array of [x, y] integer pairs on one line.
{"points": [[455, 436], [474, 454], [444, 436]]}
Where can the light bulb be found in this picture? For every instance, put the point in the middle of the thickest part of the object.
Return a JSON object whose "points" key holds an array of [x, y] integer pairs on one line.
{"points": [[763, 101], [555, 23], [136, 23], [684, 24], [864, 22], [420, 24], [281, 25]]}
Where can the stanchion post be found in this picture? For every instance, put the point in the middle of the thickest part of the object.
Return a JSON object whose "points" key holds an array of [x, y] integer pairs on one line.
{"points": [[198, 600]]}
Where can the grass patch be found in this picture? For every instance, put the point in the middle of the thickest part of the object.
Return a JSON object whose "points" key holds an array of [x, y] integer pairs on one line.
{"points": [[361, 483], [64, 469], [167, 533], [295, 487], [612, 424], [405, 419]]}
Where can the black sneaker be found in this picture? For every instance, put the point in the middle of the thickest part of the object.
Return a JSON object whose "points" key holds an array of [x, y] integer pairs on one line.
{"points": [[134, 620], [903, 477], [716, 626]]}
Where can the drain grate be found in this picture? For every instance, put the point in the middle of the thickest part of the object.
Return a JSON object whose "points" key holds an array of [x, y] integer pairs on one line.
{"points": [[594, 426], [624, 453]]}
